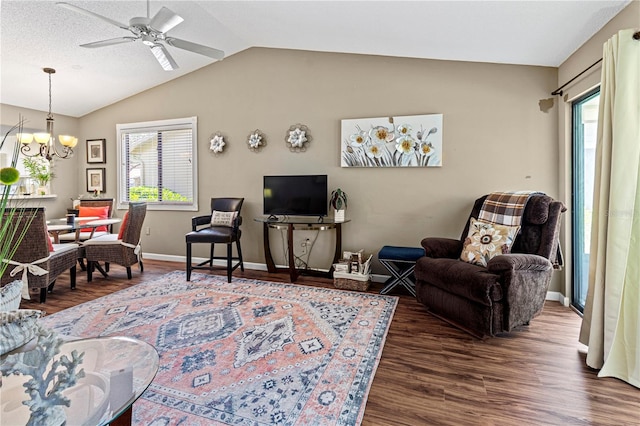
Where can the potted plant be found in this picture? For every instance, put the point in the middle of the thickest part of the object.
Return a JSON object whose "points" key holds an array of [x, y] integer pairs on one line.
{"points": [[40, 170], [10, 236], [339, 203]]}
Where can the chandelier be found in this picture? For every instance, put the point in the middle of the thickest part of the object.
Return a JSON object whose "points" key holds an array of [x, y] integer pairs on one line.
{"points": [[46, 140]]}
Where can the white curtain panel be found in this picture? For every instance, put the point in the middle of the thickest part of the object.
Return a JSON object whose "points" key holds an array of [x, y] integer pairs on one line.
{"points": [[611, 323]]}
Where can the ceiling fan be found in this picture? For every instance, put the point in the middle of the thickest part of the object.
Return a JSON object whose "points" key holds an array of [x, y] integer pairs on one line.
{"points": [[152, 33]]}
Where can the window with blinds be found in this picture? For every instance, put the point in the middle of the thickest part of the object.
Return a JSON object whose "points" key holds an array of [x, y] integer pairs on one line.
{"points": [[157, 164]]}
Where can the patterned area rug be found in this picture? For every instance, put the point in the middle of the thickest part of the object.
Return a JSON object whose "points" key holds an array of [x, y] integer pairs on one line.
{"points": [[245, 353]]}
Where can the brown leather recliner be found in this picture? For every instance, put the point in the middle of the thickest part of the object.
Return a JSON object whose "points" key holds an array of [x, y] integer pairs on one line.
{"points": [[509, 291]]}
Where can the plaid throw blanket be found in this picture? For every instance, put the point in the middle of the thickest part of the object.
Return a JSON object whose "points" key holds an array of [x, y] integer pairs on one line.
{"points": [[505, 208]]}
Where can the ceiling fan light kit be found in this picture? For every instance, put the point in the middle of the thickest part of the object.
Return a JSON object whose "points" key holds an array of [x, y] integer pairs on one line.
{"points": [[152, 33]]}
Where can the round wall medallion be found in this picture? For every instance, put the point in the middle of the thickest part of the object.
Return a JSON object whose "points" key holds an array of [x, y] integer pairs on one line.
{"points": [[297, 138], [256, 140], [217, 143]]}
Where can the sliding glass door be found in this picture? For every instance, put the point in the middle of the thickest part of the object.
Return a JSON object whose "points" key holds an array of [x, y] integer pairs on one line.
{"points": [[585, 127]]}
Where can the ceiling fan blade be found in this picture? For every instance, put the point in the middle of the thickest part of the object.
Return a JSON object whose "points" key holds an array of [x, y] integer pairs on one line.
{"points": [[94, 15], [109, 42], [195, 47], [165, 20], [164, 58]]}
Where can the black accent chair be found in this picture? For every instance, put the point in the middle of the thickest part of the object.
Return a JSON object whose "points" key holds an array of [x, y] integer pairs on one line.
{"points": [[217, 234], [510, 291]]}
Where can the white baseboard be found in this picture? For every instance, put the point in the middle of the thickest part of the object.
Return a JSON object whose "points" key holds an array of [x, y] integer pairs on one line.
{"points": [[376, 278], [183, 259], [558, 297]]}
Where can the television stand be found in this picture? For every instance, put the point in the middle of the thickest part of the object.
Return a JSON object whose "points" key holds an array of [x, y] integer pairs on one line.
{"points": [[299, 224]]}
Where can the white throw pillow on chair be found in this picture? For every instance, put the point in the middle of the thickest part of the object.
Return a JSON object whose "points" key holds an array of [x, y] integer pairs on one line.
{"points": [[219, 218]]}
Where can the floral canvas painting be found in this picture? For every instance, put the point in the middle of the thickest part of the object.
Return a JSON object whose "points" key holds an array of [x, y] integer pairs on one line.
{"points": [[404, 141]]}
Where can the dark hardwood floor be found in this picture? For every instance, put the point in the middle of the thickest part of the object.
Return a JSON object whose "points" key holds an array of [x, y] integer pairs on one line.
{"points": [[431, 373]]}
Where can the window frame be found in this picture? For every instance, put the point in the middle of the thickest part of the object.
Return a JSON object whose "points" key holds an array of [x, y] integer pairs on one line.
{"points": [[157, 125], [579, 273]]}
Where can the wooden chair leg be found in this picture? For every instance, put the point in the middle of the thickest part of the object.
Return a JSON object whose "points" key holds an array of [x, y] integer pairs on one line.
{"points": [[141, 265], [50, 286], [211, 255], [229, 262], [240, 255], [106, 266], [89, 271], [128, 272], [188, 261], [72, 277], [43, 294]]}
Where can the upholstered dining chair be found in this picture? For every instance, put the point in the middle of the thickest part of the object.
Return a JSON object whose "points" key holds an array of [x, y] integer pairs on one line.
{"points": [[123, 248], [99, 207], [222, 226], [36, 260]]}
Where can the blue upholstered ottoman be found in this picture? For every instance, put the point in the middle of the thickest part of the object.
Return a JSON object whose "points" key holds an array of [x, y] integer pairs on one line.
{"points": [[400, 261]]}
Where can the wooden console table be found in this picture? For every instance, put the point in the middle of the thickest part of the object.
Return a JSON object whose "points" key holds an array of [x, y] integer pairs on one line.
{"points": [[299, 224]]}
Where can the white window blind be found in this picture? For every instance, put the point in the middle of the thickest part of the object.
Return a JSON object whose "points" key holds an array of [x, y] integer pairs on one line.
{"points": [[158, 164]]}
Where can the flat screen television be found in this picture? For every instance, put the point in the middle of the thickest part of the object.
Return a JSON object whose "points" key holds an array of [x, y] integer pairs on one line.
{"points": [[301, 195]]}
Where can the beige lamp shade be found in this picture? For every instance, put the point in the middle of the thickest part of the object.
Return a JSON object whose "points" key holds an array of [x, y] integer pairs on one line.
{"points": [[42, 138], [24, 138], [68, 141]]}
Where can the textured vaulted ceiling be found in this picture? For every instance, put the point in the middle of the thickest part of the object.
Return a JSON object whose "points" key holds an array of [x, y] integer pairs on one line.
{"points": [[37, 34]]}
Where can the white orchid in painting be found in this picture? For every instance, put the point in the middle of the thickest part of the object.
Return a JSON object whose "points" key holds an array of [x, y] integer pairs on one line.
{"points": [[405, 129], [255, 140], [426, 149], [405, 145], [297, 137], [217, 144], [359, 139], [381, 134], [375, 150]]}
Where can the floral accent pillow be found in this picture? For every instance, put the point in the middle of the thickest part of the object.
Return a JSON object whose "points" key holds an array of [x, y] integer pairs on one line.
{"points": [[486, 241], [223, 218]]}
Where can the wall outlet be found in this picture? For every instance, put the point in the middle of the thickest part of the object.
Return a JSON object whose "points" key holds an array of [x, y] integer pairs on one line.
{"points": [[147, 230], [305, 244]]}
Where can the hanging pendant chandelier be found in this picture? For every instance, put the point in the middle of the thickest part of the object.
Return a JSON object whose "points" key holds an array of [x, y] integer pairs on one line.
{"points": [[46, 140]]}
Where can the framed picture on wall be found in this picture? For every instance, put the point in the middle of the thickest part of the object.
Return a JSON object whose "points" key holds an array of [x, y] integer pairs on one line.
{"points": [[96, 151], [95, 180], [399, 141]]}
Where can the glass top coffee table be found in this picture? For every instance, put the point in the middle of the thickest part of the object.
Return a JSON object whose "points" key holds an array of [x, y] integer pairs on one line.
{"points": [[117, 371]]}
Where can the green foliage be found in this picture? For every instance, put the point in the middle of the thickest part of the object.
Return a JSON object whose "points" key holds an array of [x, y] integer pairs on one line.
{"points": [[39, 169], [10, 235], [9, 175], [338, 199], [147, 193]]}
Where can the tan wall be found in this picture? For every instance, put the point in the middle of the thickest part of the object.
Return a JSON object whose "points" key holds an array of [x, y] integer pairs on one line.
{"points": [[68, 179], [495, 138], [582, 58]]}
